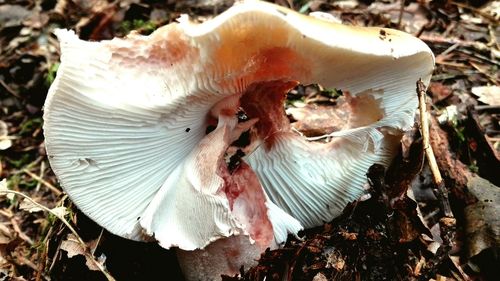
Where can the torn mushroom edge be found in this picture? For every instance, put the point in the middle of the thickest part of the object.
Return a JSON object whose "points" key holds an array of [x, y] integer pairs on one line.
{"points": [[313, 28]]}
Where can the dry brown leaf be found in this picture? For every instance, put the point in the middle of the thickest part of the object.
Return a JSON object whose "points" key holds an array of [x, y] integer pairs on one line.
{"points": [[12, 15], [29, 206], [74, 248], [319, 277], [414, 17], [317, 120], [492, 8], [60, 211], [483, 217], [334, 260], [488, 94]]}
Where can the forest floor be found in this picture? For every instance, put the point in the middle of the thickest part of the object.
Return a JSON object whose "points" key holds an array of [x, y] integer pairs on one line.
{"points": [[402, 232]]}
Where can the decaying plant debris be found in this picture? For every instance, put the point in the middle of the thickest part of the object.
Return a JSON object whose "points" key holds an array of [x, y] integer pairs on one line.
{"points": [[399, 233]]}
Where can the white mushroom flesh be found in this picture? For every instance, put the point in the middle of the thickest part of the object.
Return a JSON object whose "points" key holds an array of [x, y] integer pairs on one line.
{"points": [[128, 124]]}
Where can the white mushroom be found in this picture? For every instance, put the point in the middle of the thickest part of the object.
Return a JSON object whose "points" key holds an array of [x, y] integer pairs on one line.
{"points": [[128, 127]]}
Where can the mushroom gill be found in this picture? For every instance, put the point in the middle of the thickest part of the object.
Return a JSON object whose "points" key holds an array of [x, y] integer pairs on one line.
{"points": [[182, 135]]}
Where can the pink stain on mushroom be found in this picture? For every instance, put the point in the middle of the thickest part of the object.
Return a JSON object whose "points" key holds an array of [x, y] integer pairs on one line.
{"points": [[165, 48], [188, 130], [247, 201], [278, 62], [240, 184]]}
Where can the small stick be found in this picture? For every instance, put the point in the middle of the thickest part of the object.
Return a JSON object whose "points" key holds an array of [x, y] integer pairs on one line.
{"points": [[9, 90], [487, 107], [97, 242], [40, 175], [52, 188], [23, 260], [401, 12], [429, 153]]}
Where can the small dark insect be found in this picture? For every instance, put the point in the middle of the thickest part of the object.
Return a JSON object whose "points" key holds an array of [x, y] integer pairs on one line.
{"points": [[188, 129]]}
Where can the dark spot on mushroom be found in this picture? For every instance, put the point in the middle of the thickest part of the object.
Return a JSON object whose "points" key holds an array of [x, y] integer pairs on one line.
{"points": [[304, 36], [209, 129], [383, 34], [188, 129], [138, 218], [235, 160]]}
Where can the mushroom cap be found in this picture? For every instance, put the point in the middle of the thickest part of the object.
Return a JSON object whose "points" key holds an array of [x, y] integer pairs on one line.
{"points": [[126, 123]]}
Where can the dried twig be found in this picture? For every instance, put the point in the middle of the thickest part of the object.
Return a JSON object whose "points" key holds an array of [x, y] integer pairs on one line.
{"points": [[429, 153], [401, 12], [40, 175], [492, 108], [97, 242], [9, 90], [52, 188], [70, 227]]}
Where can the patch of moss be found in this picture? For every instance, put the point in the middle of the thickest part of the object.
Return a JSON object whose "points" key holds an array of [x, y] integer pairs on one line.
{"points": [[51, 74], [142, 26], [30, 125]]}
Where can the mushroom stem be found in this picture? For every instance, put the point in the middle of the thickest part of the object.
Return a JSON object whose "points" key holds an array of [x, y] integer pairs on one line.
{"points": [[224, 256]]}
